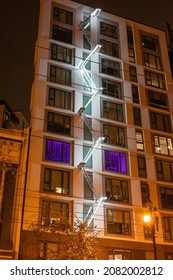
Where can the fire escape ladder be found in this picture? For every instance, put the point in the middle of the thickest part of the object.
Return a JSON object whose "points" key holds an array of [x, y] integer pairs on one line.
{"points": [[94, 90]]}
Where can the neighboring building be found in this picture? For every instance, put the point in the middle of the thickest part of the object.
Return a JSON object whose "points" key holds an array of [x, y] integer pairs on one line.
{"points": [[13, 163], [115, 102]]}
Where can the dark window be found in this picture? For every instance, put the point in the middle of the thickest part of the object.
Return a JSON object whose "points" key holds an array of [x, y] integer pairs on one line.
{"points": [[88, 109], [87, 130], [115, 161], [135, 94], [160, 122], [62, 15], [109, 48], [145, 194], [58, 123], [108, 30], [110, 67], [150, 43], [62, 34], [137, 116], [56, 181], [61, 54], [157, 100], [168, 228], [112, 88], [164, 170], [142, 171], [133, 74], [118, 222], [114, 135], [117, 190], [166, 197], [86, 150], [57, 151]]}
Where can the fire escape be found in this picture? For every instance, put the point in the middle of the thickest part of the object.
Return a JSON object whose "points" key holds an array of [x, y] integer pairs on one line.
{"points": [[96, 140]]}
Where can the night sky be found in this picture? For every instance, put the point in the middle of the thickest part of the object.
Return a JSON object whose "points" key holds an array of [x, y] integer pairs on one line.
{"points": [[18, 33]]}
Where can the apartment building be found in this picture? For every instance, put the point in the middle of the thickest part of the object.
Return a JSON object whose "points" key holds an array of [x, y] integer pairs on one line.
{"points": [[13, 162], [101, 131]]}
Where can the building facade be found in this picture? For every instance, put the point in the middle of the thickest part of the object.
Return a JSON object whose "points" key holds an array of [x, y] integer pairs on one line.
{"points": [[101, 130], [13, 162]]}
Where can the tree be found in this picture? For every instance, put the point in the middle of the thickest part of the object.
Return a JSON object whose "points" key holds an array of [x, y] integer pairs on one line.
{"points": [[70, 242]]}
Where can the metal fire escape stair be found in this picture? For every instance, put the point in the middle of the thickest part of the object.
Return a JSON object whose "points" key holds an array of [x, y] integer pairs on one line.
{"points": [[94, 90]]}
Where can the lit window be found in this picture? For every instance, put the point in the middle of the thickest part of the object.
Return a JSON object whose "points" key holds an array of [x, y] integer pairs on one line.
{"points": [[118, 222], [56, 181], [155, 80], [60, 75], [54, 212], [117, 254], [60, 99], [113, 135], [115, 161], [112, 111], [163, 145], [139, 140], [152, 61], [133, 74], [57, 151], [116, 190]]}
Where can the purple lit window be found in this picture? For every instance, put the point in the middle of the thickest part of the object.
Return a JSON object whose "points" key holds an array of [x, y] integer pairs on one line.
{"points": [[115, 162], [57, 151]]}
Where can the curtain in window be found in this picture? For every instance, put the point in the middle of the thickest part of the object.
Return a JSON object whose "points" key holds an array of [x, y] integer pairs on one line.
{"points": [[115, 161], [57, 151]]}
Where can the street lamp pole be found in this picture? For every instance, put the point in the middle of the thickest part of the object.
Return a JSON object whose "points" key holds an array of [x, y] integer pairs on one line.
{"points": [[152, 218]]}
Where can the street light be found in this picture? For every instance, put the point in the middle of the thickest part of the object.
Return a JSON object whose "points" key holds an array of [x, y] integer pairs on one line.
{"points": [[152, 219]]}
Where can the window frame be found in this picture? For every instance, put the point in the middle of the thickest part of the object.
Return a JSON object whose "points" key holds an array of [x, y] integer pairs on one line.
{"points": [[64, 94], [114, 135], [155, 121], [118, 109], [121, 227], [116, 86], [119, 159], [111, 67], [53, 70], [166, 200], [124, 191], [67, 54], [58, 127], [53, 154]]}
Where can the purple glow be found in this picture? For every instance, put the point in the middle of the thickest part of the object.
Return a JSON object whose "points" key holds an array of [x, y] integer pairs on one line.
{"points": [[115, 161], [57, 151]]}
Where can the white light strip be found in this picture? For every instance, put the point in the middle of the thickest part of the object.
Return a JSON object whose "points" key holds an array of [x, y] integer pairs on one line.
{"points": [[100, 200], [96, 12], [83, 63], [91, 151]]}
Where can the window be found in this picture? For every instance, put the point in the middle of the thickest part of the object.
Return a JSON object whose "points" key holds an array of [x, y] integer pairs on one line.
{"points": [[157, 100], [115, 161], [137, 116], [163, 145], [160, 122], [88, 64], [108, 30], [112, 88], [164, 170], [150, 43], [142, 172], [60, 75], [114, 135], [145, 194], [62, 16], [87, 213], [109, 48], [62, 25], [166, 197], [133, 74], [86, 150], [135, 94], [58, 123], [130, 40], [168, 228], [118, 222], [62, 34], [117, 190], [55, 212], [155, 80], [56, 181], [60, 98], [58, 151], [152, 61], [61, 54], [139, 140], [112, 111], [110, 67], [88, 109], [88, 184], [87, 131], [117, 254]]}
